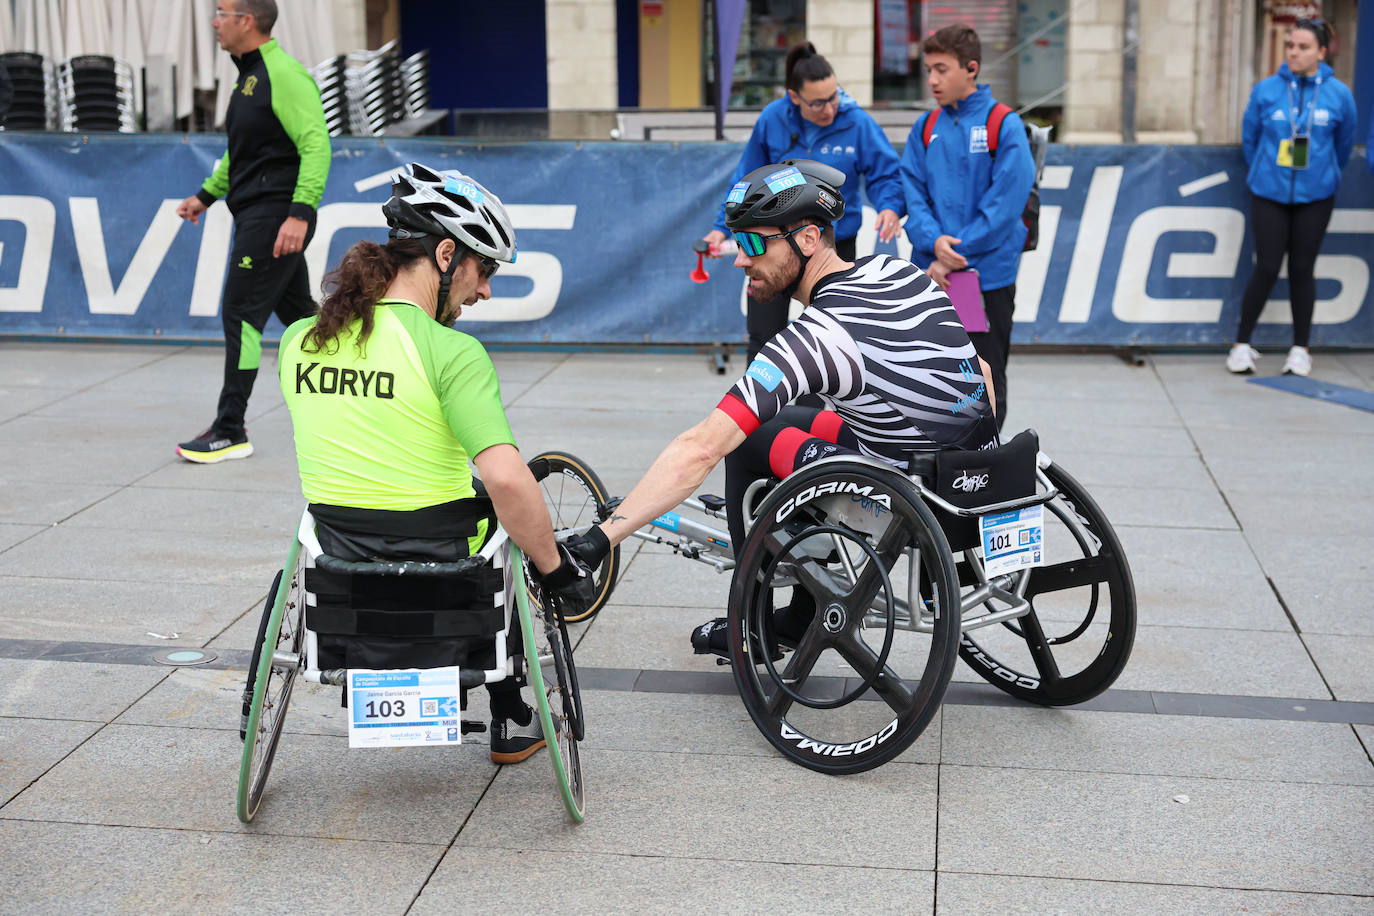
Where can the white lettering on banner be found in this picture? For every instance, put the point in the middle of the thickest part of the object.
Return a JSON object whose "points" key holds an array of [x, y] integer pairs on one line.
{"points": [[1091, 243], [1133, 303], [39, 217], [216, 228], [543, 269], [101, 296]]}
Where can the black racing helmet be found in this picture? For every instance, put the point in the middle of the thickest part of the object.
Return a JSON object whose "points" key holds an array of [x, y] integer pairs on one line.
{"points": [[786, 192]]}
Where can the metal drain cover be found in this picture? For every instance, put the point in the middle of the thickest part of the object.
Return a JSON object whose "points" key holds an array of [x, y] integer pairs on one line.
{"points": [[180, 657]]}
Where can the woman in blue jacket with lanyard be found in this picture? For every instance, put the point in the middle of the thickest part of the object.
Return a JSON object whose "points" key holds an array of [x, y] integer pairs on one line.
{"points": [[1298, 132], [818, 120]]}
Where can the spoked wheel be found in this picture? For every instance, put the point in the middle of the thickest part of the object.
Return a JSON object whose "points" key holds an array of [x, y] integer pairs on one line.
{"points": [[278, 659], [575, 497], [870, 670], [553, 679], [1074, 641]]}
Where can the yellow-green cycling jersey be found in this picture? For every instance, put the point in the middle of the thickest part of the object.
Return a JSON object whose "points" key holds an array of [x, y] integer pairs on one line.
{"points": [[391, 427]]}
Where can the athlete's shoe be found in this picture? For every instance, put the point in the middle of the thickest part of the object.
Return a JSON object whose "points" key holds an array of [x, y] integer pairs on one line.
{"points": [[211, 447], [1299, 362], [1241, 359], [512, 742], [712, 637]]}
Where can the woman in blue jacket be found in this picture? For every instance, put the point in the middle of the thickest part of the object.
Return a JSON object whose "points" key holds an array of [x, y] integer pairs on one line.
{"points": [[1298, 132], [818, 120]]}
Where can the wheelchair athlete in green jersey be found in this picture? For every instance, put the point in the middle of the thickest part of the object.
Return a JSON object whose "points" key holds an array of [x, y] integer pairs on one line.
{"points": [[398, 563]]}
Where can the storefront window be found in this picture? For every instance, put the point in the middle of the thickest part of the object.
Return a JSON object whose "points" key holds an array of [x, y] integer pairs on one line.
{"points": [[769, 30]]}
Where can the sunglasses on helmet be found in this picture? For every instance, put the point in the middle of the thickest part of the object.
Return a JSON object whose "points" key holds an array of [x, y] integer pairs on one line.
{"points": [[754, 244]]}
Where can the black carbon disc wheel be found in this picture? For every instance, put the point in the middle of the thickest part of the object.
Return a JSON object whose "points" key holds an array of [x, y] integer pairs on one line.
{"points": [[870, 671], [1074, 642], [575, 497]]}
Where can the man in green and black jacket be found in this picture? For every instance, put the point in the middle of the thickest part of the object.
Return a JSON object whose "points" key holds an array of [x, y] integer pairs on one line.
{"points": [[272, 178]]}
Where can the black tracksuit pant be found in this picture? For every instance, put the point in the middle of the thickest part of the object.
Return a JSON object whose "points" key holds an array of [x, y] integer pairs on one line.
{"points": [[258, 285], [1296, 230]]}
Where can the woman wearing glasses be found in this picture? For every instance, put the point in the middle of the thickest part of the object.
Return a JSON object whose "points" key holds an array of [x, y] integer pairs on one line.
{"points": [[388, 404], [818, 120], [1298, 132]]}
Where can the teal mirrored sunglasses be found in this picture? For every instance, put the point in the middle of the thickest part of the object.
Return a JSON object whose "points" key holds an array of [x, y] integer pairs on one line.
{"points": [[754, 244]]}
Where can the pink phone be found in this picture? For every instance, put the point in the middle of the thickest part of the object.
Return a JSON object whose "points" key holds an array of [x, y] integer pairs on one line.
{"points": [[967, 297]]}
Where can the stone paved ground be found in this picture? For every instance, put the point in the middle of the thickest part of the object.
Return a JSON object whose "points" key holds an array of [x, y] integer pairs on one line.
{"points": [[1246, 514]]}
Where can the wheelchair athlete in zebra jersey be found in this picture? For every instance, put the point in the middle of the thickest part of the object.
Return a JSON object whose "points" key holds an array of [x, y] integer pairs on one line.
{"points": [[878, 343]]}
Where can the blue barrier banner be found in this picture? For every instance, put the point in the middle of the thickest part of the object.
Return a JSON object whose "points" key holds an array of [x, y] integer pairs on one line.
{"points": [[1140, 246]]}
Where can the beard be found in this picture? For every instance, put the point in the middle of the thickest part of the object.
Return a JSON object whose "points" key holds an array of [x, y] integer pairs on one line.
{"points": [[783, 280]]}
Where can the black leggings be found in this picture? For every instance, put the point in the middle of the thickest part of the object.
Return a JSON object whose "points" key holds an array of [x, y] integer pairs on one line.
{"points": [[1295, 229], [766, 317]]}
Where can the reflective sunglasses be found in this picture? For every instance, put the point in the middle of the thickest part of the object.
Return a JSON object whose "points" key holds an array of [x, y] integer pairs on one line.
{"points": [[754, 244], [486, 267]]}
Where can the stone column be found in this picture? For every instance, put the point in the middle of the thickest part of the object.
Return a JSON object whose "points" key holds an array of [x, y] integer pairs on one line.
{"points": [[581, 54], [1092, 99], [1171, 69], [842, 31]]}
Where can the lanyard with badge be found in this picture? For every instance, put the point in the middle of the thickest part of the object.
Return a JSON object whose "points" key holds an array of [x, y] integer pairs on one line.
{"points": [[1293, 152]]}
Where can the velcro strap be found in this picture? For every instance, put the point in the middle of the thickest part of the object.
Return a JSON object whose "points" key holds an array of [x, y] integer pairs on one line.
{"points": [[335, 621]]}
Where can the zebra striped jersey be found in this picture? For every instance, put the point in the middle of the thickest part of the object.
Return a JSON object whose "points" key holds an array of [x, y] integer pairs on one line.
{"points": [[882, 347]]}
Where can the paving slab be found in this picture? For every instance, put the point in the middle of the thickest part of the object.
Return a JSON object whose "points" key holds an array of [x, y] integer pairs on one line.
{"points": [[633, 884], [1344, 662], [209, 698], [251, 513], [1324, 579], [1366, 735], [95, 610], [82, 868], [1300, 515], [41, 365], [1165, 472], [29, 747], [72, 690], [187, 779], [45, 503], [153, 555], [1048, 410], [654, 805], [1163, 507], [645, 637], [1109, 827], [18, 400], [1205, 660], [41, 449], [1188, 577], [658, 579], [964, 893], [11, 534], [1128, 743]]}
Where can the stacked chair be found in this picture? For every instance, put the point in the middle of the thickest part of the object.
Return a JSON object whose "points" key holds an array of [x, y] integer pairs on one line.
{"points": [[364, 91], [33, 106], [96, 93], [329, 76]]}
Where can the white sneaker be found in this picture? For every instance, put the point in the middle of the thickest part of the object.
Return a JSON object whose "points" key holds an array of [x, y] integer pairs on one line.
{"points": [[1241, 359], [1299, 362]]}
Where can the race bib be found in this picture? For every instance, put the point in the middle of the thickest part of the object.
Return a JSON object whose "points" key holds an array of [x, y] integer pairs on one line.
{"points": [[403, 708], [1013, 540]]}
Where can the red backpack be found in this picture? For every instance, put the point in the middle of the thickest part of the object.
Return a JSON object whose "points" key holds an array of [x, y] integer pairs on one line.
{"points": [[1030, 216]]}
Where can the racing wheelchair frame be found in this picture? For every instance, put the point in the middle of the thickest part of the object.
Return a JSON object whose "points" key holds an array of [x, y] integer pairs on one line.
{"points": [[307, 598], [894, 564]]}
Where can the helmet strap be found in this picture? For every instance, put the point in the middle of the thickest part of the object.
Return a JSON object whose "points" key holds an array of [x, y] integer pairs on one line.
{"points": [[445, 274], [805, 259]]}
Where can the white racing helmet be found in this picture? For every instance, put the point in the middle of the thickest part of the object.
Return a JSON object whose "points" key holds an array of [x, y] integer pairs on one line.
{"points": [[449, 205]]}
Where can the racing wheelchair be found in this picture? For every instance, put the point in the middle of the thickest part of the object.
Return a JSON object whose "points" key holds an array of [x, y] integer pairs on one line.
{"points": [[407, 640], [996, 556]]}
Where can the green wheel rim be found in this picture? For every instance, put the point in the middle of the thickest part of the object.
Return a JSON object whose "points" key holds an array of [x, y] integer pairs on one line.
{"points": [[246, 809], [571, 800]]}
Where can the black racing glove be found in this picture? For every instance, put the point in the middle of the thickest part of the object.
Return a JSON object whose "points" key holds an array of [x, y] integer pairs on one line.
{"points": [[570, 587], [591, 548]]}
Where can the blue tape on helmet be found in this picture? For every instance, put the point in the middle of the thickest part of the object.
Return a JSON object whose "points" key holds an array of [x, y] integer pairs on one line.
{"points": [[785, 178]]}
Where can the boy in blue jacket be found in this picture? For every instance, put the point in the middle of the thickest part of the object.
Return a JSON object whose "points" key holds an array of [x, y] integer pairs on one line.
{"points": [[964, 204]]}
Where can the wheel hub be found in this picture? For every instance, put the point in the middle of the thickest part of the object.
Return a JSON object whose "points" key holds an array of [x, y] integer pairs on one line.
{"points": [[834, 618]]}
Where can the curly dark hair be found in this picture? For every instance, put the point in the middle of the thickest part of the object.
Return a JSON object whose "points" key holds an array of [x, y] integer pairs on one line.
{"points": [[353, 288]]}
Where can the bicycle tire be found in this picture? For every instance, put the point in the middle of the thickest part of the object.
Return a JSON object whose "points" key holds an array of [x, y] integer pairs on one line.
{"points": [[266, 617], [1001, 660], [560, 738], [271, 688], [575, 510], [910, 703]]}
